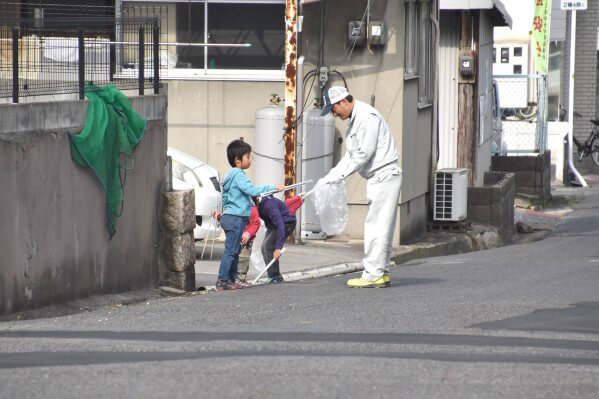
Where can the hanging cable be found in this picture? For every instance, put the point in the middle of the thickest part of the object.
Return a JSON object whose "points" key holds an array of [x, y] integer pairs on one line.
{"points": [[341, 76]]}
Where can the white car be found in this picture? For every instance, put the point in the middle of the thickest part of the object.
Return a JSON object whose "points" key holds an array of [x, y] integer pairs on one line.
{"points": [[190, 172]]}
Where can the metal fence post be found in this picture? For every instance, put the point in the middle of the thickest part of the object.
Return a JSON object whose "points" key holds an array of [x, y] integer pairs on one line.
{"points": [[140, 74], [155, 48], [15, 65], [81, 65]]}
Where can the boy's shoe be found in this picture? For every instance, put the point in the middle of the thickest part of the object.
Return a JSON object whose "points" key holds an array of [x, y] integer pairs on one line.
{"points": [[225, 285], [274, 279], [242, 284], [362, 283], [387, 278]]}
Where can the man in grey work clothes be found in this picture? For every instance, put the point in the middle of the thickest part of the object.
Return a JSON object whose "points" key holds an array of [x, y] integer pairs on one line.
{"points": [[371, 151]]}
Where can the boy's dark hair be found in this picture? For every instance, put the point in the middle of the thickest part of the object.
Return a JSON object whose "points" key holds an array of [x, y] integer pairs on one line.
{"points": [[349, 98], [237, 149]]}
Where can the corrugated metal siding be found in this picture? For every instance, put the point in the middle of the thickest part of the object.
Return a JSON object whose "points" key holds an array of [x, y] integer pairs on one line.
{"points": [[448, 88]]}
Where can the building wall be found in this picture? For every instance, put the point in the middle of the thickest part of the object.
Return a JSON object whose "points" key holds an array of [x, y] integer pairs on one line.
{"points": [[585, 84], [54, 238], [376, 74], [204, 116], [448, 92]]}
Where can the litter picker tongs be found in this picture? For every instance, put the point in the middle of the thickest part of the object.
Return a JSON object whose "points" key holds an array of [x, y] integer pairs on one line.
{"points": [[267, 193]]}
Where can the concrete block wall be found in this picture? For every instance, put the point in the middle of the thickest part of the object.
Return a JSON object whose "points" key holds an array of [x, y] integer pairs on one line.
{"points": [[533, 173], [493, 203], [54, 241], [585, 83]]}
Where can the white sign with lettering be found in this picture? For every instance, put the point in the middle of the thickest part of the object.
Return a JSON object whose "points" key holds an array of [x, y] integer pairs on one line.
{"points": [[573, 4]]}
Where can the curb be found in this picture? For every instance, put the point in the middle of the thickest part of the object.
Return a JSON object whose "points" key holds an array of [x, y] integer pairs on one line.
{"points": [[431, 246], [326, 271]]}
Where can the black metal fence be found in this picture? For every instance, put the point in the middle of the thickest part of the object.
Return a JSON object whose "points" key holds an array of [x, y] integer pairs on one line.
{"points": [[62, 55]]}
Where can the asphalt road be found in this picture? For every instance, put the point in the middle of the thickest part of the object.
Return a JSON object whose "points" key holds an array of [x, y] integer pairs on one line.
{"points": [[515, 322]]}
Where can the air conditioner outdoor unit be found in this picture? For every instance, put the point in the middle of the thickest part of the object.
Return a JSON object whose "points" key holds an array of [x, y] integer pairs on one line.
{"points": [[451, 193]]}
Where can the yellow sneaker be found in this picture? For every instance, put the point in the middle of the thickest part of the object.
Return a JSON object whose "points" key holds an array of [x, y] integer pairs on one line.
{"points": [[387, 278], [362, 283]]}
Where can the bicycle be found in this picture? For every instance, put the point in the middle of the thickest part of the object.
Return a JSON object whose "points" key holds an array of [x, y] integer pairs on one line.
{"points": [[589, 147]]}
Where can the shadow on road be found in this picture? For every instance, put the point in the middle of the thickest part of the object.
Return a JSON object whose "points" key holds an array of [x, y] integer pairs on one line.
{"points": [[581, 317]]}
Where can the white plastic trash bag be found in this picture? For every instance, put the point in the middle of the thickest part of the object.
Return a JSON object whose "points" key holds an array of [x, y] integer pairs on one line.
{"points": [[256, 258], [330, 203]]}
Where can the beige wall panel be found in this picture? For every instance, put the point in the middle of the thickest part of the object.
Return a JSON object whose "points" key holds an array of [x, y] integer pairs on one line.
{"points": [[205, 116]]}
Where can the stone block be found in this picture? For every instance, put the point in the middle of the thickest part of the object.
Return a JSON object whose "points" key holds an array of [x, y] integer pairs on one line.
{"points": [[184, 280], [526, 179], [179, 211], [479, 196], [502, 163], [480, 213], [179, 253], [9, 122], [26, 117], [544, 161]]}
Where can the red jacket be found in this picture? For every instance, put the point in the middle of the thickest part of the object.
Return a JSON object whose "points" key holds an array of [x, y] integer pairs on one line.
{"points": [[254, 224]]}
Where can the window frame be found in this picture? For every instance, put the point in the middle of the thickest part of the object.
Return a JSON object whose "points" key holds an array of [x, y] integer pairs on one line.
{"points": [[411, 43], [426, 56], [205, 73]]}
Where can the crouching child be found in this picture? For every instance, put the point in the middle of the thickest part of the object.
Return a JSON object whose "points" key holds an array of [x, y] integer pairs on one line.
{"points": [[280, 223]]}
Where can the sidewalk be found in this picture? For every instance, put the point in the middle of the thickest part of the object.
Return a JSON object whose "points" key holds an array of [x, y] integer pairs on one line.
{"points": [[296, 258], [314, 259]]}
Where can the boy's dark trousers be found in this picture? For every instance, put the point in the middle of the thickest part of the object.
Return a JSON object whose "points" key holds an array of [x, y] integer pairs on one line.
{"points": [[269, 246]]}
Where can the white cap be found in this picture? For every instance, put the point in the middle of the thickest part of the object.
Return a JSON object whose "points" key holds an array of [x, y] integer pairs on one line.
{"points": [[334, 95]]}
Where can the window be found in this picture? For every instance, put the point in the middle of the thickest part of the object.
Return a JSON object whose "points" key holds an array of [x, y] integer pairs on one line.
{"points": [[517, 69], [517, 51], [189, 29], [505, 55], [425, 79], [260, 23], [411, 45], [494, 55]]}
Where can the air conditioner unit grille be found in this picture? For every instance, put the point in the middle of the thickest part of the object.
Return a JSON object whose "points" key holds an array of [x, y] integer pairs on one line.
{"points": [[450, 194]]}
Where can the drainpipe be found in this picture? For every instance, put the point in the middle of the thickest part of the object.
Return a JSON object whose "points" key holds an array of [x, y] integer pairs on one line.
{"points": [[571, 99], [290, 92]]}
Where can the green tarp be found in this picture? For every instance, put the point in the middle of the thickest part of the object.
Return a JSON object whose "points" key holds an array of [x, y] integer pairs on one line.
{"points": [[112, 130]]}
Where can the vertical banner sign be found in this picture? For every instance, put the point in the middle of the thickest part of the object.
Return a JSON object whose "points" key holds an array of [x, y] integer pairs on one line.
{"points": [[540, 34]]}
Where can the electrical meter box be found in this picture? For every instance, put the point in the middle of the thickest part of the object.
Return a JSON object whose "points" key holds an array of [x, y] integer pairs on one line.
{"points": [[356, 34], [466, 67], [377, 33]]}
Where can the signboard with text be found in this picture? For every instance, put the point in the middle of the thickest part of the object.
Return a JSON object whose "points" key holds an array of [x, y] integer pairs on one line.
{"points": [[540, 34], [573, 4]]}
